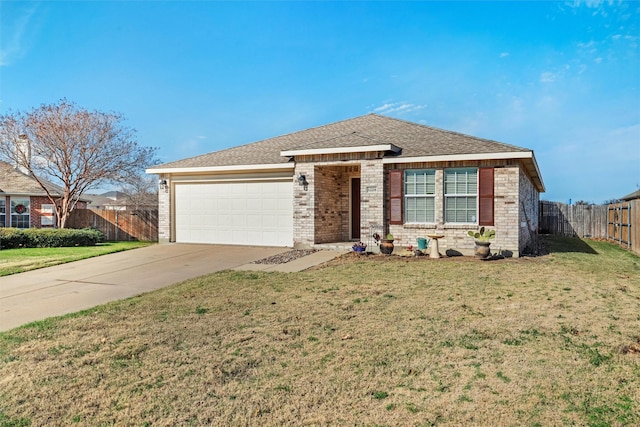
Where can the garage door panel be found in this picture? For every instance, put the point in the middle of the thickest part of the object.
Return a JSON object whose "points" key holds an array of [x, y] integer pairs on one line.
{"points": [[253, 213], [238, 204], [269, 222]]}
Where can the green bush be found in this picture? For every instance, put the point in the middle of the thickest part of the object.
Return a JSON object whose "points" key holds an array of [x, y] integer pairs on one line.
{"points": [[11, 238]]}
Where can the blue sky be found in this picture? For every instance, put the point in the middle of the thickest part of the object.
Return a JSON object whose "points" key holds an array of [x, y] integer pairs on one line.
{"points": [[561, 78]]}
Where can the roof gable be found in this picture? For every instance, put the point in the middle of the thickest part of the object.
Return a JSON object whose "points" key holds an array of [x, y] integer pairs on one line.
{"points": [[12, 181]]}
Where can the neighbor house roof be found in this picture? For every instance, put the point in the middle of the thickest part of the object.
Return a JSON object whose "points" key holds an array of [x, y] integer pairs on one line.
{"points": [[15, 182], [401, 140], [632, 196]]}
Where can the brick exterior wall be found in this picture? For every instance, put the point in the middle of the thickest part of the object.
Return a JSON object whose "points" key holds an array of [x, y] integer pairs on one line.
{"points": [[35, 210], [529, 214], [322, 212], [372, 196], [508, 186], [331, 204], [164, 211], [304, 207]]}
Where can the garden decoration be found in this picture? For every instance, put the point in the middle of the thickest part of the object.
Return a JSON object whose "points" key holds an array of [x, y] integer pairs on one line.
{"points": [[483, 239], [386, 245], [359, 247], [423, 243]]}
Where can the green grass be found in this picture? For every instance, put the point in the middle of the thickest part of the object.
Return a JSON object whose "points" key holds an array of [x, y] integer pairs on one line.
{"points": [[14, 261], [444, 342]]}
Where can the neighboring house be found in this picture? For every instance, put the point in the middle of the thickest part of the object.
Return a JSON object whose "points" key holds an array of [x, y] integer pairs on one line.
{"points": [[111, 200], [341, 181], [23, 203], [119, 201]]}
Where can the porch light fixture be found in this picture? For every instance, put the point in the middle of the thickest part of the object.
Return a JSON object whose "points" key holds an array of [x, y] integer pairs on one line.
{"points": [[302, 180], [163, 185]]}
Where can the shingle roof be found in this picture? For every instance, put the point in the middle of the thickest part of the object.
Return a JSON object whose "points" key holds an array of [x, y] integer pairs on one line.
{"points": [[415, 140], [12, 181], [632, 196]]}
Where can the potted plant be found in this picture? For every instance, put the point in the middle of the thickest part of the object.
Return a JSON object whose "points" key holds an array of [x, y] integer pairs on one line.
{"points": [[386, 245], [359, 247], [483, 239]]}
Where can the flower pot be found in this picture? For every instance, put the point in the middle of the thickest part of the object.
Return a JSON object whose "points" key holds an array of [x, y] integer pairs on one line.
{"points": [[359, 250], [482, 249], [386, 246]]}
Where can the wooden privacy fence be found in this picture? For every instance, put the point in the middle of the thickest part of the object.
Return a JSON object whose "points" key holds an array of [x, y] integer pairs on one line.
{"points": [[573, 220], [619, 222], [624, 224], [118, 225]]}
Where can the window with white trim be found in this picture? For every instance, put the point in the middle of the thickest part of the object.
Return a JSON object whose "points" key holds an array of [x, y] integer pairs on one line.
{"points": [[461, 195], [419, 196], [3, 212], [47, 215], [20, 212]]}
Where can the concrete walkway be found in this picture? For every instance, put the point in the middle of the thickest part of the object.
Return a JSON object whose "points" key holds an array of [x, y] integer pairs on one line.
{"points": [[68, 288]]}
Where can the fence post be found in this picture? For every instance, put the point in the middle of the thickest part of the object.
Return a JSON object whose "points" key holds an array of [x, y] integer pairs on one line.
{"points": [[628, 225], [620, 224]]}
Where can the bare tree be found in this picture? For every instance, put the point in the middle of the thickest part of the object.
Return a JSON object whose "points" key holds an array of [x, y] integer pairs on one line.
{"points": [[74, 148], [142, 192]]}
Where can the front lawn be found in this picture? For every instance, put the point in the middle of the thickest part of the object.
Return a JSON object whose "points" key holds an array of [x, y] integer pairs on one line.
{"points": [[18, 260], [372, 341]]}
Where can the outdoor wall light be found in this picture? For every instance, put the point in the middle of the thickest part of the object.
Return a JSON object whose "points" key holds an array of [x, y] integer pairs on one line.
{"points": [[302, 180], [163, 185]]}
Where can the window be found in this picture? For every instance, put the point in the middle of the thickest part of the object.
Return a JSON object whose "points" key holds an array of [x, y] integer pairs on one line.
{"points": [[419, 196], [467, 194], [47, 213], [3, 212], [20, 217], [461, 195]]}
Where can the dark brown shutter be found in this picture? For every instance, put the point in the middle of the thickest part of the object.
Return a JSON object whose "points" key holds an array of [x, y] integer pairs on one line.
{"points": [[395, 196], [485, 193]]}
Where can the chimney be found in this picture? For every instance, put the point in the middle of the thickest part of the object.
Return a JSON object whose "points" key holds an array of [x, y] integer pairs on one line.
{"points": [[23, 153]]}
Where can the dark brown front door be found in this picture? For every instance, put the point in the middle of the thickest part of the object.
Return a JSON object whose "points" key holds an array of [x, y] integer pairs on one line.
{"points": [[355, 208]]}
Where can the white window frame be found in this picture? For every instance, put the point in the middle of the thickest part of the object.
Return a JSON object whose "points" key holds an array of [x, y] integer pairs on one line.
{"points": [[47, 215], [412, 196], [465, 191], [26, 201], [3, 212]]}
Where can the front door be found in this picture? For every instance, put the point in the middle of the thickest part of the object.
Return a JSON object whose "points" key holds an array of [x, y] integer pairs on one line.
{"points": [[355, 208]]}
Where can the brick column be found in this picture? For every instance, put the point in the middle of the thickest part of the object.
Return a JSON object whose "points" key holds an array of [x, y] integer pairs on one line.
{"points": [[303, 207], [371, 195], [164, 211], [506, 209]]}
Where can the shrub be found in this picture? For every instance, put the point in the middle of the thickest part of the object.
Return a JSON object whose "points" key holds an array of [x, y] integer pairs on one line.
{"points": [[11, 238]]}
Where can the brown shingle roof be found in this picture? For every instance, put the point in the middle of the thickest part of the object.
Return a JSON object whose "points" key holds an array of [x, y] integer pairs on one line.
{"points": [[12, 181], [415, 140], [632, 196]]}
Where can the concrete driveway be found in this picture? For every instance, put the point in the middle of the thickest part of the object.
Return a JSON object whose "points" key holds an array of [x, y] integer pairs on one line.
{"points": [[67, 288]]}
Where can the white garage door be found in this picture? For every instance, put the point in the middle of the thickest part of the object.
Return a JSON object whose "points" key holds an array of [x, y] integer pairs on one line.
{"points": [[238, 213]]}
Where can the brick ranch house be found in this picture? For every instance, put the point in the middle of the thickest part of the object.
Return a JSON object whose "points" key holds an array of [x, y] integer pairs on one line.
{"points": [[339, 182], [23, 203]]}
